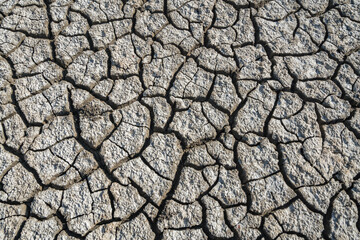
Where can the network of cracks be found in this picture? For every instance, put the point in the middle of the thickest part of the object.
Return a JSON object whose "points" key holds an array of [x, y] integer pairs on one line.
{"points": [[179, 119]]}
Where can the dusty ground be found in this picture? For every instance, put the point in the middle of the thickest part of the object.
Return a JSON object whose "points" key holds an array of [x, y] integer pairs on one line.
{"points": [[179, 119]]}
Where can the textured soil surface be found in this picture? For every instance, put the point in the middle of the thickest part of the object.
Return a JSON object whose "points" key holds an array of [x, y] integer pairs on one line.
{"points": [[179, 119]]}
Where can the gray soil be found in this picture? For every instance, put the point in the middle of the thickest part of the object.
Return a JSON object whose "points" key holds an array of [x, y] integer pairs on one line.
{"points": [[179, 119]]}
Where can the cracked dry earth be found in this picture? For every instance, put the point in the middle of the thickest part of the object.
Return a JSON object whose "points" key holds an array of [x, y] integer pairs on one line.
{"points": [[179, 119]]}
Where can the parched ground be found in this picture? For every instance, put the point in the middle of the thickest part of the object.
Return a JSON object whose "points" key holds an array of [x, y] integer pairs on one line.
{"points": [[179, 119]]}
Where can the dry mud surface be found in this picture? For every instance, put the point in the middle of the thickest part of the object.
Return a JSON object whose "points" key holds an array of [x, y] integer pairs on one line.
{"points": [[179, 119]]}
